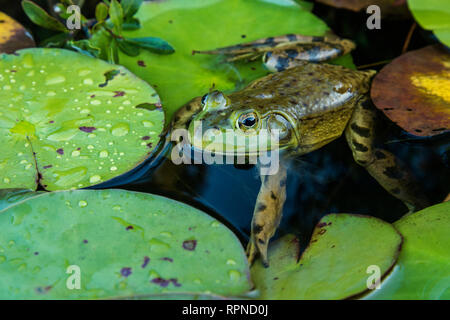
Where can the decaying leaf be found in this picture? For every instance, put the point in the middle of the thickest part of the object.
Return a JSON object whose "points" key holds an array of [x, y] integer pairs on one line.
{"points": [[413, 91], [13, 35]]}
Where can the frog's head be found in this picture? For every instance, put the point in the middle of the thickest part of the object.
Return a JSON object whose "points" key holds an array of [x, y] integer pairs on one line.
{"points": [[240, 125]]}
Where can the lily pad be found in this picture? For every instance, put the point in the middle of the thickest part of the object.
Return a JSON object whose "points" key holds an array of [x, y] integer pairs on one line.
{"points": [[413, 91], [336, 264], [9, 197], [71, 121], [433, 15], [209, 24], [423, 268], [13, 35], [125, 244]]}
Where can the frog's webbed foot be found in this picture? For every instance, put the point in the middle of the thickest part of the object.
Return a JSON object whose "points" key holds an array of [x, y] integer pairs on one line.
{"points": [[388, 170], [293, 47], [267, 214]]}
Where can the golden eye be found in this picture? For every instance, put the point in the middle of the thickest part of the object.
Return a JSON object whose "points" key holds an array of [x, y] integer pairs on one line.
{"points": [[248, 120]]}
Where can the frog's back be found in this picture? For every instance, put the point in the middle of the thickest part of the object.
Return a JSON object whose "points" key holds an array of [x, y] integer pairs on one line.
{"points": [[319, 98], [310, 89]]}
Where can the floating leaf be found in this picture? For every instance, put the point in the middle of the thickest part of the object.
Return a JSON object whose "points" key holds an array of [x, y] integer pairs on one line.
{"points": [[413, 91], [335, 265], [433, 15], [423, 267], [208, 24], [9, 197], [125, 244], [71, 121], [13, 35], [40, 17]]}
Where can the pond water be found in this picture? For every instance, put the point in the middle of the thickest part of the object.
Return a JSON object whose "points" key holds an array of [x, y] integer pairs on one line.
{"points": [[324, 181]]}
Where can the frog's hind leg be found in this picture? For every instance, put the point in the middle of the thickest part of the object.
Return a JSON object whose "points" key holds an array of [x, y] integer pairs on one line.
{"points": [[388, 170], [255, 49], [267, 214], [284, 57]]}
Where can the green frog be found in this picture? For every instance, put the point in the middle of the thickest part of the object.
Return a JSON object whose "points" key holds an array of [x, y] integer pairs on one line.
{"points": [[309, 104]]}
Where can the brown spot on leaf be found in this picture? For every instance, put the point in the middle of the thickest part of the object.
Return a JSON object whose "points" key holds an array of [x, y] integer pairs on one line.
{"points": [[146, 261], [87, 129], [189, 245], [125, 272]]}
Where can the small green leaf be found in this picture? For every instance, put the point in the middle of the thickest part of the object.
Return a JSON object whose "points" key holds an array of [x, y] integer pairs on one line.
{"points": [[128, 48], [40, 17], [131, 24], [101, 12], [56, 41], [84, 47], [130, 7], [153, 44], [116, 15]]}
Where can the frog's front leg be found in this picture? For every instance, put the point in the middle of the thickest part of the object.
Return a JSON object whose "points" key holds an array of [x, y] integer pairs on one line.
{"points": [[267, 214], [388, 170]]}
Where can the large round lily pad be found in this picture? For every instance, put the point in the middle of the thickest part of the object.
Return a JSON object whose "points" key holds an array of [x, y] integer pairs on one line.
{"points": [[71, 121], [335, 265], [13, 35], [209, 24], [423, 268], [413, 91], [125, 244], [433, 15]]}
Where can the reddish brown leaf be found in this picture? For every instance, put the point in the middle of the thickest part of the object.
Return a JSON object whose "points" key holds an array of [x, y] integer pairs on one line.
{"points": [[13, 35], [414, 91]]}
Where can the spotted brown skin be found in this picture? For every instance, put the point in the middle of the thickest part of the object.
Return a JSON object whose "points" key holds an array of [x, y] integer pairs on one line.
{"points": [[316, 103]]}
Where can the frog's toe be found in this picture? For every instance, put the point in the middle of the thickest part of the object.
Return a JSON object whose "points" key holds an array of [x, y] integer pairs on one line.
{"points": [[253, 251], [262, 250]]}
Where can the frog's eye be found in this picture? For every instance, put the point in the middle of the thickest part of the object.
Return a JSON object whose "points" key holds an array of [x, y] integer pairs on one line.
{"points": [[248, 120], [204, 99]]}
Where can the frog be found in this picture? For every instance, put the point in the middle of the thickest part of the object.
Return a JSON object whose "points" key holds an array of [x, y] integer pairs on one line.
{"points": [[309, 103]]}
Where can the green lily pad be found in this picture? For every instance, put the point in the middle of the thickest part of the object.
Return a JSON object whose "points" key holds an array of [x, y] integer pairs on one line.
{"points": [[336, 264], [9, 197], [70, 121], [423, 268], [433, 15], [126, 244], [209, 24]]}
